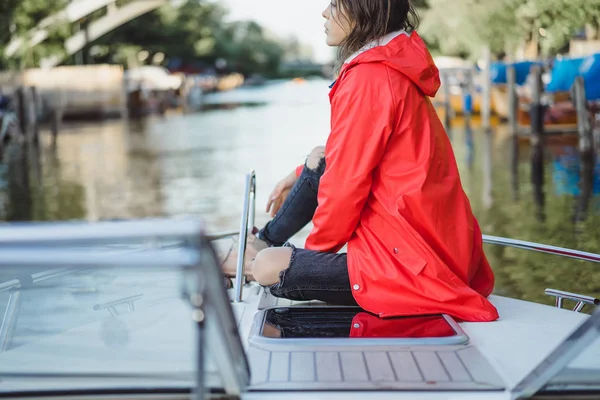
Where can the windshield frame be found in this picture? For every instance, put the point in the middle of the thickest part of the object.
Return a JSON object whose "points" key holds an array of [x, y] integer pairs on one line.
{"points": [[61, 248], [539, 380]]}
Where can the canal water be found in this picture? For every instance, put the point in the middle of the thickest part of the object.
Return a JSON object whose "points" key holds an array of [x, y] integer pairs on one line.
{"points": [[195, 165]]}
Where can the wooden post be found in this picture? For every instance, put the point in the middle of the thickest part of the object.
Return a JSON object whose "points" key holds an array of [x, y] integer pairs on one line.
{"points": [[536, 138], [486, 100], [447, 103], [55, 123], [184, 93], [20, 109], [596, 130], [467, 113], [469, 142], [125, 97], [20, 188], [486, 113], [586, 150], [513, 104], [58, 108], [35, 127]]}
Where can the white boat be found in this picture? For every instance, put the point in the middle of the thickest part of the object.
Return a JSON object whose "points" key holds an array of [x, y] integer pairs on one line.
{"points": [[138, 310]]}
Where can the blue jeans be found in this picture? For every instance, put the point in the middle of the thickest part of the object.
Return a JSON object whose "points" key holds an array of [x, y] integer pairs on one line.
{"points": [[311, 275]]}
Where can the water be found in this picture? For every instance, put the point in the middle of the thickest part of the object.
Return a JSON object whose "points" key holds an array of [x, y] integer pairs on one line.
{"points": [[195, 165]]}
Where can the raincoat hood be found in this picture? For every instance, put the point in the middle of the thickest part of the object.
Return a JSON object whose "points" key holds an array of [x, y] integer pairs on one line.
{"points": [[404, 52]]}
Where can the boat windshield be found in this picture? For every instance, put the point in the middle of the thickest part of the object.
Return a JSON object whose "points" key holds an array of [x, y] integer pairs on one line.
{"points": [[83, 318], [573, 367]]}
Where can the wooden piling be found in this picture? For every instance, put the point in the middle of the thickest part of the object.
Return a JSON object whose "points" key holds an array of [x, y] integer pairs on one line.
{"points": [[55, 122], [35, 129], [21, 110], [447, 103], [486, 113], [536, 139], [596, 132], [486, 95], [513, 104], [467, 113], [586, 150]]}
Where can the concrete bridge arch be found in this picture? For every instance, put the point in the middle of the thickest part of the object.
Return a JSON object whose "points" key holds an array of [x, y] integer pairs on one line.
{"points": [[75, 11]]}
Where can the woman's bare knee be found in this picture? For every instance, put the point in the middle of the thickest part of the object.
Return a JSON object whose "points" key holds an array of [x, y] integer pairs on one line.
{"points": [[269, 263], [315, 157]]}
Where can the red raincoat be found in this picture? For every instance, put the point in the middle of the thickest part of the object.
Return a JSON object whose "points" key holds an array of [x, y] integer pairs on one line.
{"points": [[392, 191]]}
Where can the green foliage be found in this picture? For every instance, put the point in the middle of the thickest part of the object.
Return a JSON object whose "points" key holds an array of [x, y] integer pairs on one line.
{"points": [[19, 17], [560, 19], [465, 26], [196, 31]]}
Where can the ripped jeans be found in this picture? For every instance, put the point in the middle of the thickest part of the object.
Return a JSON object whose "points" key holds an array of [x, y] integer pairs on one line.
{"points": [[311, 275]]}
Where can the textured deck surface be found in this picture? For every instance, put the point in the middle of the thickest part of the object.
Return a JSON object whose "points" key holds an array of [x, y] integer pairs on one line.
{"points": [[369, 367], [455, 368]]}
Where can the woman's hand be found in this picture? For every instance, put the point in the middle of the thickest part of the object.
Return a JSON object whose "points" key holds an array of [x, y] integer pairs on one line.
{"points": [[280, 193]]}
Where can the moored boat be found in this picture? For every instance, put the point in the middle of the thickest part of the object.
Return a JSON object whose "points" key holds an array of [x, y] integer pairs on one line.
{"points": [[157, 322]]}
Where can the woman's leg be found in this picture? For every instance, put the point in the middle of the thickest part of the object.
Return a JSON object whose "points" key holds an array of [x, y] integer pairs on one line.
{"points": [[299, 207], [296, 211], [302, 275]]}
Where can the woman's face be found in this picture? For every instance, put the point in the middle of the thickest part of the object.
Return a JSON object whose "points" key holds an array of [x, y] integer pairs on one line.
{"points": [[337, 25]]}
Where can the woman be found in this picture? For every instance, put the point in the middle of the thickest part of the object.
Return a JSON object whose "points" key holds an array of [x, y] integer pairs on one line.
{"points": [[386, 184]]}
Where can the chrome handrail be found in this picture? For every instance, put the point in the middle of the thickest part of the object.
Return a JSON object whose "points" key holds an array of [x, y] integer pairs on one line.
{"points": [[542, 248], [248, 216], [581, 300], [9, 320], [560, 295], [111, 306], [36, 278]]}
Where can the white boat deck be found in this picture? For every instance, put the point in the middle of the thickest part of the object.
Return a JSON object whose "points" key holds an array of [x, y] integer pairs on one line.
{"points": [[155, 343], [497, 357], [158, 342]]}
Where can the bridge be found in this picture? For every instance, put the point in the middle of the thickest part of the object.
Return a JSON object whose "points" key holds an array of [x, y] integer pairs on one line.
{"points": [[117, 13]]}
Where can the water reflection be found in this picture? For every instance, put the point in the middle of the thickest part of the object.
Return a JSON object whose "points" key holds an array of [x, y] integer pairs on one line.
{"points": [[195, 164]]}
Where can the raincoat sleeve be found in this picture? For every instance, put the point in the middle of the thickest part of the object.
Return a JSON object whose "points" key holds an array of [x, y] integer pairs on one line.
{"points": [[362, 115]]}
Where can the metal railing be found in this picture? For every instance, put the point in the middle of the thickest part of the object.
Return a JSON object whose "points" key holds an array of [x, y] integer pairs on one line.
{"points": [[560, 295], [579, 298], [9, 320], [542, 248], [247, 220], [36, 278]]}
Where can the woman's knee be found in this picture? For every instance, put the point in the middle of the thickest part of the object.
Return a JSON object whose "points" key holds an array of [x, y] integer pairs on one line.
{"points": [[315, 157], [269, 263]]}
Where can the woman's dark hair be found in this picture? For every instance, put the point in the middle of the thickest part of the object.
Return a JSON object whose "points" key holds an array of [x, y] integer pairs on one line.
{"points": [[373, 19]]}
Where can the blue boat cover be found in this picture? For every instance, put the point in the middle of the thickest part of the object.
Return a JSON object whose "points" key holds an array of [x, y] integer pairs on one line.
{"points": [[498, 71], [566, 70]]}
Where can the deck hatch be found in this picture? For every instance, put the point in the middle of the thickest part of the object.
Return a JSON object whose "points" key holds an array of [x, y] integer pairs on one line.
{"points": [[321, 326]]}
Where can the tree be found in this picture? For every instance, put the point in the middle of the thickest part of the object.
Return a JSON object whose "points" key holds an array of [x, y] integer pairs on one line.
{"points": [[465, 26], [556, 21], [195, 31], [19, 17]]}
